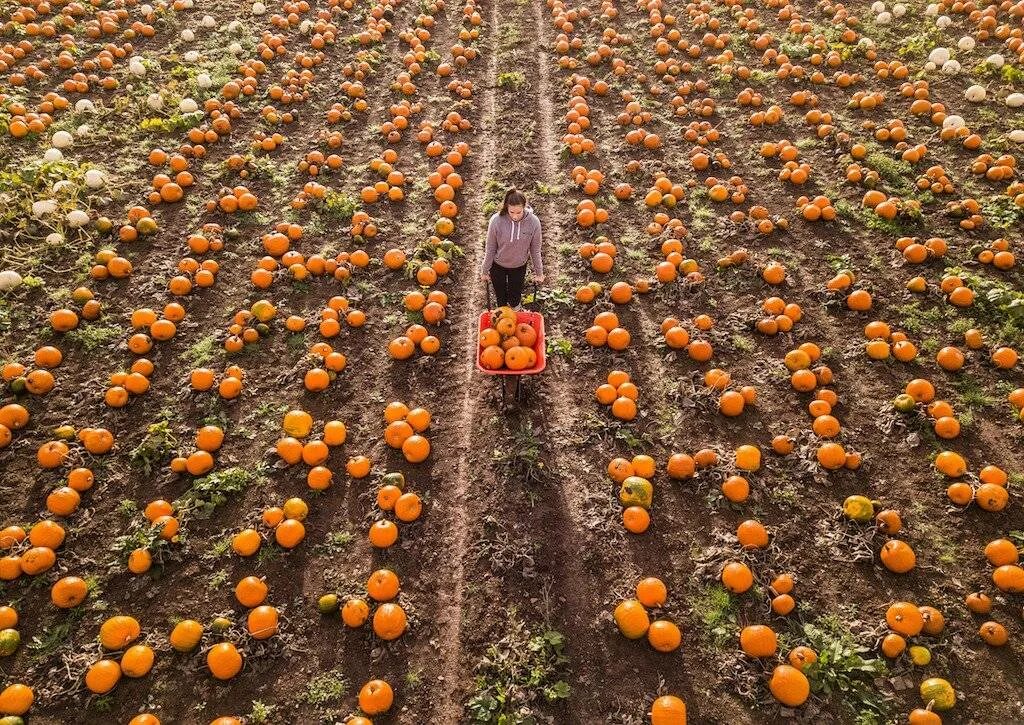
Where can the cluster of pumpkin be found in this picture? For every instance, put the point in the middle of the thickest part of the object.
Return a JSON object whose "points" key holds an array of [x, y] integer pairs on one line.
{"points": [[921, 392], [116, 634], [298, 425], [34, 552], [896, 555], [620, 394], [882, 343], [139, 223], [393, 498], [249, 326], [633, 619], [780, 316], [906, 621], [508, 343], [159, 327], [229, 384], [601, 253], [208, 441], [35, 381], [432, 307], [731, 403], [636, 496], [404, 428], [997, 253], [238, 198], [389, 617], [678, 338], [990, 493], [606, 332]]}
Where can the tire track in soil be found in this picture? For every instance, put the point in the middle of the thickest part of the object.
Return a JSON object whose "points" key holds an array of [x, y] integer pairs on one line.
{"points": [[565, 504], [454, 538]]}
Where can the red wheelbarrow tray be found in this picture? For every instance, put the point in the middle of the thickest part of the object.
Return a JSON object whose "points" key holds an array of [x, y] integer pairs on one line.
{"points": [[531, 318]]}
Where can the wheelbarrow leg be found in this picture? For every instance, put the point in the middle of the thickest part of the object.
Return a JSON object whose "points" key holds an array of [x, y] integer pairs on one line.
{"points": [[520, 389]]}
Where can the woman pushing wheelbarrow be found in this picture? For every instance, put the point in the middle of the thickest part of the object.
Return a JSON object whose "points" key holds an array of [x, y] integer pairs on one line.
{"points": [[511, 339], [513, 236]]}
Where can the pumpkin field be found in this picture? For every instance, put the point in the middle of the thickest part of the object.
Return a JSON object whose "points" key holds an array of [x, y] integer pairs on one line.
{"points": [[255, 462]]}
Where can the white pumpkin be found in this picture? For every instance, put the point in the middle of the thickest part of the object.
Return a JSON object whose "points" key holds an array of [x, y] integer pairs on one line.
{"points": [[64, 186], [932, 10], [62, 140], [77, 218], [966, 44], [899, 10], [951, 67], [975, 94], [9, 279], [83, 131], [883, 18], [208, 21], [43, 207], [1016, 135], [191, 56], [1015, 100], [235, 49], [52, 155], [55, 238], [84, 105], [188, 35], [258, 8], [877, 6], [953, 121], [996, 60], [155, 101], [188, 105], [136, 68], [943, 22], [938, 56], [95, 179], [204, 81]]}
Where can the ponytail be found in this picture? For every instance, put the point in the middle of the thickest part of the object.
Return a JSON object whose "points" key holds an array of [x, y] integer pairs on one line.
{"points": [[513, 197]]}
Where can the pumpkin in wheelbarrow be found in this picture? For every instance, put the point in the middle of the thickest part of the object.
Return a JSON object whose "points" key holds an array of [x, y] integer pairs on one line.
{"points": [[519, 357], [636, 491], [492, 357], [526, 335]]}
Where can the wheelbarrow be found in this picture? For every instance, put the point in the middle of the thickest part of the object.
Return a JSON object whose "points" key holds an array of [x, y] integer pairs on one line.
{"points": [[504, 376]]}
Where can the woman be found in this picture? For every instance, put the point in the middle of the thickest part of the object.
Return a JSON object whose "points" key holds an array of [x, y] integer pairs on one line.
{"points": [[513, 236]]}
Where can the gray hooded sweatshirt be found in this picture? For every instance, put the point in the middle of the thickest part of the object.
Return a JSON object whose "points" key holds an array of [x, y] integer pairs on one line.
{"points": [[510, 243]]}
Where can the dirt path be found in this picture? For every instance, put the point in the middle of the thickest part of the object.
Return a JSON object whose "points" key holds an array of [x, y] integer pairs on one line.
{"points": [[459, 495]]}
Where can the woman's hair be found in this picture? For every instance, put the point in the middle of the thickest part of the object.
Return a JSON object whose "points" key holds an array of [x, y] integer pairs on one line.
{"points": [[513, 197]]}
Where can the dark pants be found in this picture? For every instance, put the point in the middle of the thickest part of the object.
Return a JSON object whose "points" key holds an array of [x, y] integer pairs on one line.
{"points": [[508, 284]]}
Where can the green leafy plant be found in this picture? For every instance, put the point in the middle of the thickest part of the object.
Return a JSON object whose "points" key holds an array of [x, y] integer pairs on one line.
{"points": [[519, 674], [157, 444], [844, 673]]}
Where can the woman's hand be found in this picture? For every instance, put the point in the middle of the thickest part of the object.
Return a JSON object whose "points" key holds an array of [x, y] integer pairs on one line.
{"points": [[485, 278], [538, 278]]}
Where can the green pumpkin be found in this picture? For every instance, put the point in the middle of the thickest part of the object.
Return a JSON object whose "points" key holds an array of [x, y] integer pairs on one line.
{"points": [[328, 604], [636, 491], [10, 640], [904, 403], [858, 508], [11, 720], [393, 479], [938, 692]]}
